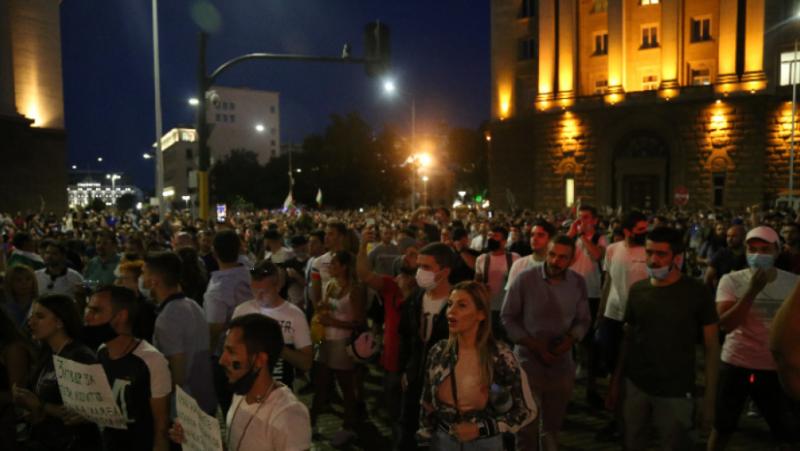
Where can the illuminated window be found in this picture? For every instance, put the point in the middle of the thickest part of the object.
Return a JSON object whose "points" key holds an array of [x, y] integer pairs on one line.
{"points": [[650, 82], [599, 6], [701, 29], [569, 191], [649, 36], [527, 49], [789, 71], [527, 9], [648, 2], [699, 76], [601, 43]]}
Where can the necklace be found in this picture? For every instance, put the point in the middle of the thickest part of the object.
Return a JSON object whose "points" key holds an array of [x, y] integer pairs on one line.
{"points": [[260, 400]]}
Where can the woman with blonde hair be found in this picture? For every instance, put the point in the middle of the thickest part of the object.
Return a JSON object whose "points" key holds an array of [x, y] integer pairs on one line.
{"points": [[474, 387]]}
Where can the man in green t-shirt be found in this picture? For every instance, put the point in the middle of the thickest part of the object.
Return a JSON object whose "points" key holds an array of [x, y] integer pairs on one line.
{"points": [[664, 315]]}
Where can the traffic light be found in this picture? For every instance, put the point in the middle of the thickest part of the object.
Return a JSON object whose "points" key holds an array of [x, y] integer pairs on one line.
{"points": [[377, 49]]}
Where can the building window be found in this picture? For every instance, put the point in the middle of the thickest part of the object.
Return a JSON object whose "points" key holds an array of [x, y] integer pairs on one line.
{"points": [[527, 49], [649, 36], [600, 86], [189, 154], [601, 43], [718, 181], [648, 2], [233, 106], [569, 191], [789, 71], [599, 6], [701, 29], [233, 118], [650, 82], [699, 76], [527, 9], [219, 117]]}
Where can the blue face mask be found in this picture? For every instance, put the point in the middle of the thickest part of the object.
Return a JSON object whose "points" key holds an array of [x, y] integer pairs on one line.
{"points": [[659, 273], [760, 261]]}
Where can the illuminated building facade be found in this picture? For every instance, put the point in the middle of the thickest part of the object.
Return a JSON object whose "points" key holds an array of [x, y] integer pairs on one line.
{"points": [[625, 102], [83, 193], [31, 107]]}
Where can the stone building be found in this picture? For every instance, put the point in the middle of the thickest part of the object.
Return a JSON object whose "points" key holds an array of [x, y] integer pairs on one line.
{"points": [[32, 136], [628, 102]]}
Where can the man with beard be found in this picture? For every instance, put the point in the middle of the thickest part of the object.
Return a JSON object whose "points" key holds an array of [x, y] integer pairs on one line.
{"points": [[265, 414], [545, 312], [541, 233], [137, 373], [492, 268], [55, 277]]}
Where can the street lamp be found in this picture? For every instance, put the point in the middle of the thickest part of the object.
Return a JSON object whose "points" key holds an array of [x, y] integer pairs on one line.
{"points": [[425, 189], [74, 167], [186, 198], [193, 101], [99, 159], [146, 156], [260, 128]]}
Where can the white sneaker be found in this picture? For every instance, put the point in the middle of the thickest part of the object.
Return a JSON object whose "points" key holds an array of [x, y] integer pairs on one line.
{"points": [[342, 437]]}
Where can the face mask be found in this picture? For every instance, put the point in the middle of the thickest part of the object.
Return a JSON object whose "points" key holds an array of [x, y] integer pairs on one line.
{"points": [[493, 245], [94, 336], [243, 385], [142, 290], [426, 279], [760, 261], [638, 238], [659, 273]]}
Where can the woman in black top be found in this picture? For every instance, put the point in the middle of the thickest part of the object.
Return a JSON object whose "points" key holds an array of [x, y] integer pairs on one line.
{"points": [[55, 322]]}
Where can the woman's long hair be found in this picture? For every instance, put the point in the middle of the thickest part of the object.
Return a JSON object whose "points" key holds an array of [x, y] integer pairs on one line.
{"points": [[19, 271], [479, 293]]}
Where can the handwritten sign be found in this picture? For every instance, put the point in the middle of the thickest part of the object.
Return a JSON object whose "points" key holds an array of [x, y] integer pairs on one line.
{"points": [[201, 430], [85, 390]]}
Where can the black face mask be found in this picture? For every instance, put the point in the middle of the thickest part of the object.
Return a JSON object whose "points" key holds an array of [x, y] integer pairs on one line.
{"points": [[638, 238], [94, 336], [493, 245], [243, 385]]}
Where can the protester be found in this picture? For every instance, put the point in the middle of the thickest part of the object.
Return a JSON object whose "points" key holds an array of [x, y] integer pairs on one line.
{"points": [[130, 277], [19, 290], [545, 313], [492, 268], [101, 268], [56, 277], [785, 343], [729, 258], [24, 252], [474, 389]]}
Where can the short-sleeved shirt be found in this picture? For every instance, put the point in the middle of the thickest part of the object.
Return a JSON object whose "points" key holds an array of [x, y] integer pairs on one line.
{"points": [[724, 261], [664, 323], [64, 283], [497, 277], [625, 265], [392, 298], [281, 423], [296, 334], [181, 328], [101, 272], [521, 265], [747, 346], [588, 268], [135, 378], [226, 290]]}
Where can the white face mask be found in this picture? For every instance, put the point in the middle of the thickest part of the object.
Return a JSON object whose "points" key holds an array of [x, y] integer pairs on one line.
{"points": [[426, 279], [142, 290]]}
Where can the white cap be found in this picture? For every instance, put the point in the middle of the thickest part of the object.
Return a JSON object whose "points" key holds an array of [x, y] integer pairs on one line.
{"points": [[763, 233]]}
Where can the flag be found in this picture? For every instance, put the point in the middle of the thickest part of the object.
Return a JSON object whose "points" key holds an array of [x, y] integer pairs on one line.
{"points": [[289, 202], [319, 197]]}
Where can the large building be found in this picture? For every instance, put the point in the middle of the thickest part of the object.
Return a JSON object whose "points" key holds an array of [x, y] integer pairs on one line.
{"points": [[32, 136], [632, 102]]}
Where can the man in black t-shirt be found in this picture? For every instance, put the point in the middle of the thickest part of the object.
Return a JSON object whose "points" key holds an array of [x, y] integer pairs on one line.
{"points": [[729, 258], [664, 314], [137, 373]]}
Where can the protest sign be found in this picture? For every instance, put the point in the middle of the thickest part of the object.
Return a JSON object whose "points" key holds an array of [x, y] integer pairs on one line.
{"points": [[200, 430], [85, 390]]}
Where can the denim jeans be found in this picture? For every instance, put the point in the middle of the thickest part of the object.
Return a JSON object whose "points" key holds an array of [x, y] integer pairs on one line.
{"points": [[442, 441]]}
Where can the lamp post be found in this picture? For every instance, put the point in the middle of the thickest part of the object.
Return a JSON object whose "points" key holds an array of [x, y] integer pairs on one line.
{"points": [[390, 90], [425, 190], [159, 127]]}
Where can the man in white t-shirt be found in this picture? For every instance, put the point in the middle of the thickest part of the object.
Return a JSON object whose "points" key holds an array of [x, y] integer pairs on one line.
{"points": [[56, 277], [335, 235], [747, 301], [265, 415], [541, 233], [275, 249], [590, 247], [625, 263], [266, 280], [492, 268]]}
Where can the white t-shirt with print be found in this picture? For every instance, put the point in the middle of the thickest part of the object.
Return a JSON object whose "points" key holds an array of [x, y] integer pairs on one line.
{"points": [[292, 320], [280, 423], [626, 266], [747, 346]]}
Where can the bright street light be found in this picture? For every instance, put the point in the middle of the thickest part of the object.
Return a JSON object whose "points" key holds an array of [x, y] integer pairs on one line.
{"points": [[99, 159], [260, 128], [74, 167], [425, 178], [425, 159], [146, 156], [193, 101], [298, 170], [389, 87]]}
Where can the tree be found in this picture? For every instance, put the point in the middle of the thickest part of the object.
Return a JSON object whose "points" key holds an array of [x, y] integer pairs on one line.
{"points": [[469, 157], [238, 175], [126, 202], [97, 204]]}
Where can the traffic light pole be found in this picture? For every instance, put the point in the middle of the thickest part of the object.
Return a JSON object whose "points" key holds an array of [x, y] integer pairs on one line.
{"points": [[373, 64]]}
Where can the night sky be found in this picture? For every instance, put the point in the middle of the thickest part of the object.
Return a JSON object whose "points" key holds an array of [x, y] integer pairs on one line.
{"points": [[440, 55]]}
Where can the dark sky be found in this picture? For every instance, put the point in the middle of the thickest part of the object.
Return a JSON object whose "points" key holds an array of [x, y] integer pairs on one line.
{"points": [[440, 54]]}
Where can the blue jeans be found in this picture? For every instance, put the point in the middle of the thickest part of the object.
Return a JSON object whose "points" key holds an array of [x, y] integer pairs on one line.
{"points": [[442, 441]]}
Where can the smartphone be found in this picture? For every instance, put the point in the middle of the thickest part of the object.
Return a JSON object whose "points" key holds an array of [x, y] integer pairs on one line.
{"points": [[222, 212]]}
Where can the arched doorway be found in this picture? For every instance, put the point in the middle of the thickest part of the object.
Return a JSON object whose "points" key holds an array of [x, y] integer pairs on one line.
{"points": [[641, 171]]}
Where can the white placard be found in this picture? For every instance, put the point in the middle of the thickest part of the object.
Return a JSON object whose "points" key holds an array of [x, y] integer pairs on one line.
{"points": [[85, 390], [200, 430]]}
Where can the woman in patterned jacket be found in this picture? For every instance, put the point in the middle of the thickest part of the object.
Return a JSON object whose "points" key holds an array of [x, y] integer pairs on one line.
{"points": [[474, 387]]}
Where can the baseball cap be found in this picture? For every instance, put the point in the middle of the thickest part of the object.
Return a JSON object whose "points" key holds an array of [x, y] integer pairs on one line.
{"points": [[763, 233]]}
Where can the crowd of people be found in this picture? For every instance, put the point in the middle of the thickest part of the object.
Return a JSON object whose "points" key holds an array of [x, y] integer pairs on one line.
{"points": [[480, 323]]}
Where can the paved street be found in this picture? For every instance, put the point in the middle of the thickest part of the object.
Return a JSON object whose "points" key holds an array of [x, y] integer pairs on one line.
{"points": [[579, 431]]}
